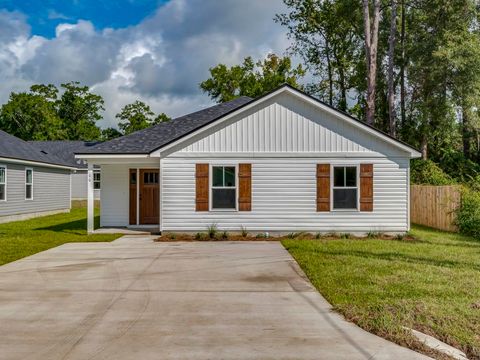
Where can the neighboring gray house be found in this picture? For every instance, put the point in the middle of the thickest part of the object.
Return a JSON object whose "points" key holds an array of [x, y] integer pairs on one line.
{"points": [[32, 182], [65, 150]]}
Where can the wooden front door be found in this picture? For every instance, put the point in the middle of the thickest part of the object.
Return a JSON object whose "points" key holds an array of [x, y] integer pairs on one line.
{"points": [[149, 200]]}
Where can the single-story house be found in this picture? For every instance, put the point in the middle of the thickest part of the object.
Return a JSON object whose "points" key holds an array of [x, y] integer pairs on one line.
{"points": [[32, 182], [282, 162], [65, 150]]}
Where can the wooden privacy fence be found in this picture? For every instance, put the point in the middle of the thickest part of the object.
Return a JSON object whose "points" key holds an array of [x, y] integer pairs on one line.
{"points": [[434, 206]]}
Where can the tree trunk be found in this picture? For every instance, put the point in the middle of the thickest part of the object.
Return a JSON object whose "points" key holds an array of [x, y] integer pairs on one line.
{"points": [[371, 46], [330, 75], [391, 62], [402, 67], [424, 148], [466, 135]]}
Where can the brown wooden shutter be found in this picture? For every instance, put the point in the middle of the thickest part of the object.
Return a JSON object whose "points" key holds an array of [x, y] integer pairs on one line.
{"points": [[201, 187], [366, 187], [323, 187], [245, 187]]}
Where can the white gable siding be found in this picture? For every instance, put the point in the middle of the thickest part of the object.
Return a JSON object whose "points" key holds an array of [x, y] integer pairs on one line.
{"points": [[286, 125], [284, 198]]}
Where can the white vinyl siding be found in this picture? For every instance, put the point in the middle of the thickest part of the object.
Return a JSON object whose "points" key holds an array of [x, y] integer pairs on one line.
{"points": [[284, 198], [79, 186], [51, 190]]}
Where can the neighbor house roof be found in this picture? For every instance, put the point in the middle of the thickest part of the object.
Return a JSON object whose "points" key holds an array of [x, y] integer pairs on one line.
{"points": [[163, 135], [147, 140], [14, 148], [66, 149]]}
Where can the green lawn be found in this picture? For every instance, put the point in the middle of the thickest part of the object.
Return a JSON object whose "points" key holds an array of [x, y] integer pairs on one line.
{"points": [[432, 284], [23, 238]]}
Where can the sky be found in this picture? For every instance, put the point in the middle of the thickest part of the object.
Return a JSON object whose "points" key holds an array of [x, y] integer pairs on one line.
{"points": [[156, 51]]}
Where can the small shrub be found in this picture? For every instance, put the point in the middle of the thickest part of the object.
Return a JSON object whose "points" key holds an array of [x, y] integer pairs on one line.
{"points": [[261, 236], [291, 236], [426, 172], [399, 237], [212, 231], [199, 236], [468, 213], [172, 236], [224, 235], [374, 235], [244, 231], [296, 235], [345, 236], [318, 236]]}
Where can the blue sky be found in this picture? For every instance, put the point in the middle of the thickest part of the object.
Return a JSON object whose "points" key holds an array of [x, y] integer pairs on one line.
{"points": [[155, 51], [44, 16]]}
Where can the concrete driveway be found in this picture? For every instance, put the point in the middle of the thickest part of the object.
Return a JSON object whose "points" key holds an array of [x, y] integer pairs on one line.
{"points": [[136, 299]]}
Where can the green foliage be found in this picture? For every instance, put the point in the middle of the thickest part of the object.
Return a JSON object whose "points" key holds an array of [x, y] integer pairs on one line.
{"points": [[138, 116], [212, 231], [225, 235], [79, 109], [200, 236], [244, 231], [251, 79], [458, 167], [261, 236], [468, 213], [426, 172], [109, 134], [32, 115]]}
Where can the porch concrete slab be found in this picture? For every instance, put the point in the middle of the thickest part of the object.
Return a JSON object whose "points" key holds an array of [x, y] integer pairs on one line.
{"points": [[137, 299]]}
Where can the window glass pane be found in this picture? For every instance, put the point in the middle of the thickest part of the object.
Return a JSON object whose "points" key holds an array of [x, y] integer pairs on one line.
{"points": [[28, 191], [229, 176], [2, 191], [344, 198], [133, 178], [338, 176], [217, 176], [223, 198], [29, 176], [2, 175], [351, 173]]}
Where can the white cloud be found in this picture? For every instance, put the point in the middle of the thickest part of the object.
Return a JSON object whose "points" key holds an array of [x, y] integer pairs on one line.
{"points": [[160, 61]]}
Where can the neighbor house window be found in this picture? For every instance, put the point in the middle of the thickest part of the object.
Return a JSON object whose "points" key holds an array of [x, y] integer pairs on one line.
{"points": [[96, 179], [28, 184], [345, 188], [3, 183], [224, 191]]}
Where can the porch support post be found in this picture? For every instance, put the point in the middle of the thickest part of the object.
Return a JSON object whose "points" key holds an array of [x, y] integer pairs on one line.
{"points": [[90, 199]]}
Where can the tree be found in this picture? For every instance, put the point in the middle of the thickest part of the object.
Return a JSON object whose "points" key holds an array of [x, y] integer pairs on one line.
{"points": [[32, 115], [79, 109], [326, 35], [109, 134], [371, 46], [138, 116], [251, 79], [391, 65]]}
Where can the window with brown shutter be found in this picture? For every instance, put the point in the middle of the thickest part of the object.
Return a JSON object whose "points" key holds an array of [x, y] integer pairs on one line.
{"points": [[366, 187], [201, 187], [245, 187], [323, 187]]}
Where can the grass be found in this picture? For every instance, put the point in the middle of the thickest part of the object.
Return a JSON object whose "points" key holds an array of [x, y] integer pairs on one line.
{"points": [[431, 285], [23, 238]]}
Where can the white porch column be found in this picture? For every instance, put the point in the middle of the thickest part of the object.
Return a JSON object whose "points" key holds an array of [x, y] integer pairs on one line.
{"points": [[90, 199]]}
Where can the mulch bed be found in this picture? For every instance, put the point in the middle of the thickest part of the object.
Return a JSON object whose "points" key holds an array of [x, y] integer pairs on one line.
{"points": [[172, 237]]}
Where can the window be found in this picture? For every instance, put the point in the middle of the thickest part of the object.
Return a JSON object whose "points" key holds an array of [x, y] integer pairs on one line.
{"points": [[224, 191], [345, 187], [96, 179], [3, 183], [28, 184]]}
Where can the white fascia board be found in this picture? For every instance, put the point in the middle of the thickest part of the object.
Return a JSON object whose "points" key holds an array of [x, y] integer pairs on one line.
{"points": [[413, 153], [35, 163]]}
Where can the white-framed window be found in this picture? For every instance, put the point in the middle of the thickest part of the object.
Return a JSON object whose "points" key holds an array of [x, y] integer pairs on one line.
{"points": [[3, 183], [28, 184], [223, 192], [345, 187], [96, 179]]}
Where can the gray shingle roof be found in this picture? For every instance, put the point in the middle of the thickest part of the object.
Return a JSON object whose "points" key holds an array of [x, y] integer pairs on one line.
{"points": [[15, 148], [66, 149], [147, 140]]}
